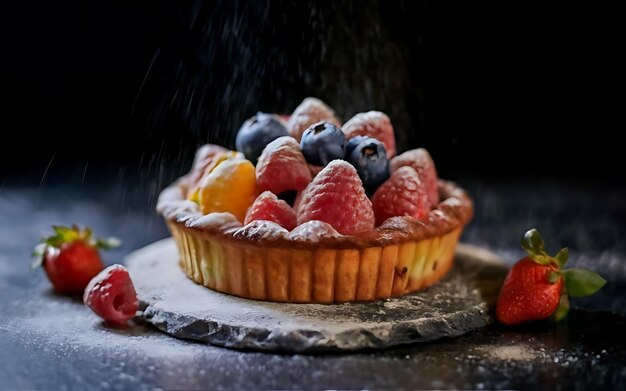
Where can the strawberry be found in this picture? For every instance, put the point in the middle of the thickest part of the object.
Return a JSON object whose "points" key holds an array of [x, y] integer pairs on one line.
{"points": [[309, 112], [528, 294], [538, 287], [111, 295], [423, 164], [268, 207], [403, 194], [374, 124], [336, 196], [71, 258], [282, 167]]}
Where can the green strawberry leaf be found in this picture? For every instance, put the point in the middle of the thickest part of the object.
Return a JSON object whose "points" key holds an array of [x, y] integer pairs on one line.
{"points": [[64, 234], [85, 234], [107, 243], [533, 243], [562, 310], [582, 282], [562, 256]]}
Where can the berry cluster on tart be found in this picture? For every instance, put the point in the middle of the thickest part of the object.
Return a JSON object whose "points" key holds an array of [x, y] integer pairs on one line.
{"points": [[311, 211]]}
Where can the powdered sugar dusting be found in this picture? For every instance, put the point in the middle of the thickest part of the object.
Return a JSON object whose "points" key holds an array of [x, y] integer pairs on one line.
{"points": [[313, 231], [213, 220], [262, 229], [510, 353]]}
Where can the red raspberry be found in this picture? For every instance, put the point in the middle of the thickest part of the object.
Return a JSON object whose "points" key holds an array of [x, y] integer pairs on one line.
{"points": [[401, 195], [282, 167], [375, 124], [111, 295], [336, 196], [423, 164], [268, 207], [310, 111]]}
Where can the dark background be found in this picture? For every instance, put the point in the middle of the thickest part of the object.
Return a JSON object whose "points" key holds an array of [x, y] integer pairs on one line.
{"points": [[131, 88], [104, 103]]}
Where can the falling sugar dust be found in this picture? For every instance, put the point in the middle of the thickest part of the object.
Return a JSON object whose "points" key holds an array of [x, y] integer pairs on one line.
{"points": [[226, 60]]}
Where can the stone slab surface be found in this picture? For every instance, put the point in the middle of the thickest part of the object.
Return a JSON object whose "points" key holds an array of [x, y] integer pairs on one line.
{"points": [[176, 305]]}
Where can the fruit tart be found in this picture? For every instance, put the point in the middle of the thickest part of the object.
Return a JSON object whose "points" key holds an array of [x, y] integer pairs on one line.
{"points": [[309, 211]]}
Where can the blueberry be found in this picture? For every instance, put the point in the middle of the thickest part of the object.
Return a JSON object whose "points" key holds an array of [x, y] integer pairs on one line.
{"points": [[323, 143], [256, 133], [369, 157], [352, 143]]}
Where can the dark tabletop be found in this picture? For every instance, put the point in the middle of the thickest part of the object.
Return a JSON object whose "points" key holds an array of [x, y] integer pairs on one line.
{"points": [[53, 342]]}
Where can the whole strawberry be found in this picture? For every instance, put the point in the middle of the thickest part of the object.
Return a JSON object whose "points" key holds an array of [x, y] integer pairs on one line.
{"points": [[538, 287], [71, 258]]}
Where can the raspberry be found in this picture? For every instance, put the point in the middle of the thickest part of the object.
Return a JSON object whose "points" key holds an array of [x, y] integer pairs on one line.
{"points": [[282, 167], [268, 207], [401, 195], [310, 111], [423, 164], [375, 124], [336, 196], [111, 295]]}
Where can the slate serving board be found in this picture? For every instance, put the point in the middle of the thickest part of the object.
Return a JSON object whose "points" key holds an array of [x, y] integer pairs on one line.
{"points": [[176, 305]]}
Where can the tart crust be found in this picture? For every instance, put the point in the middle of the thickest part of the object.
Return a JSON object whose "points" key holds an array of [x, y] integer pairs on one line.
{"points": [[313, 263]]}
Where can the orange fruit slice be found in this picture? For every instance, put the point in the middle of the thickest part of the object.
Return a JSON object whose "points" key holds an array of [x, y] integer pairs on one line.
{"points": [[194, 194], [230, 187]]}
